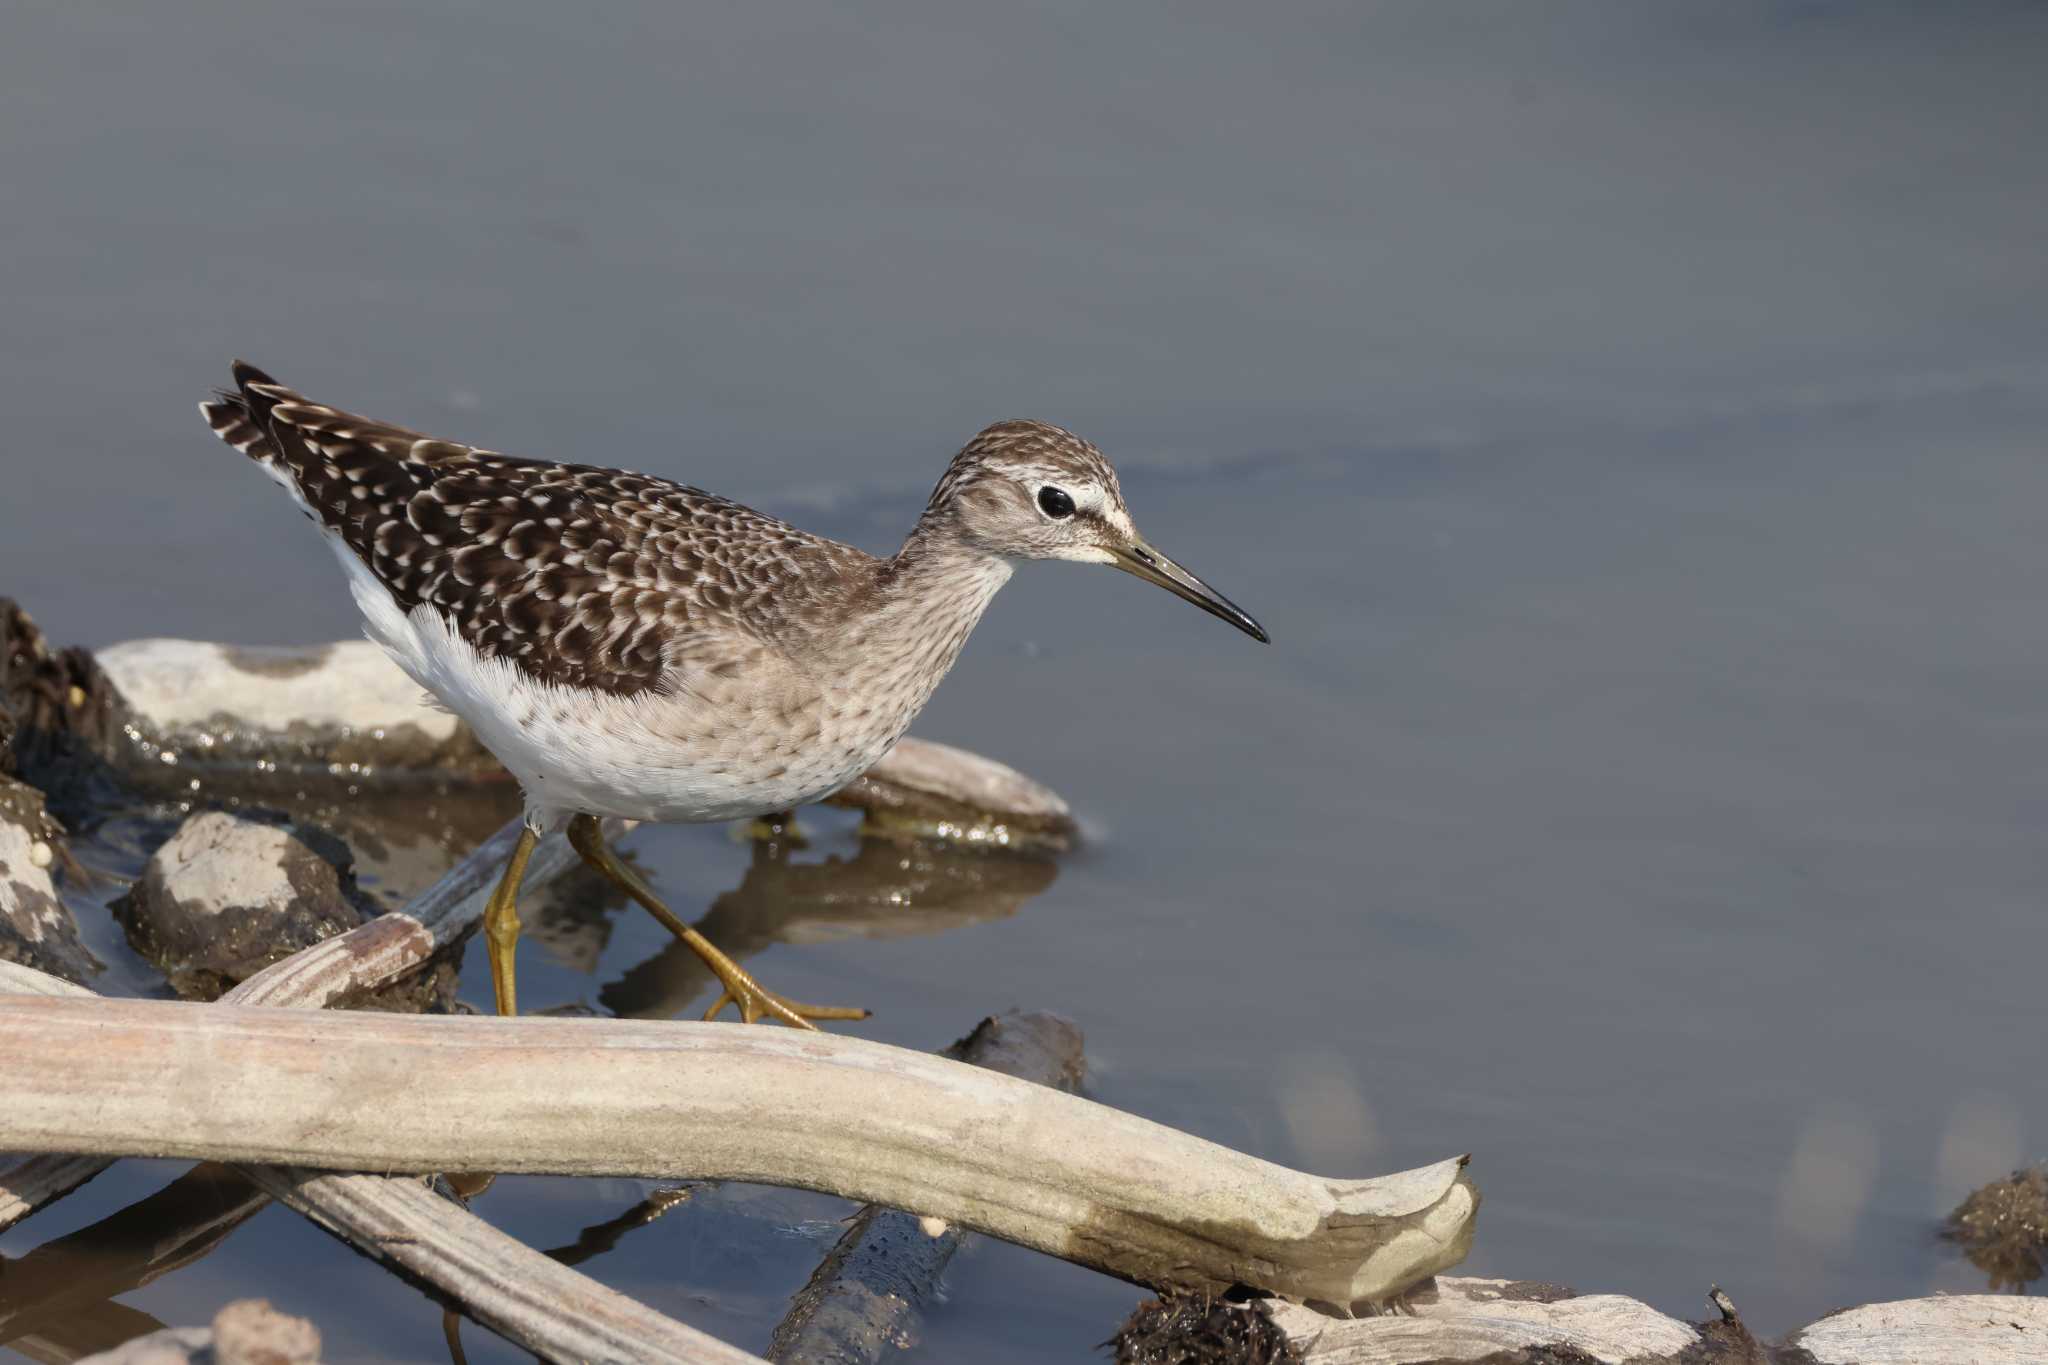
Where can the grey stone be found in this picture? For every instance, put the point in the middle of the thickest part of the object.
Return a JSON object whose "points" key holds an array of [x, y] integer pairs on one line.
{"points": [[230, 894]]}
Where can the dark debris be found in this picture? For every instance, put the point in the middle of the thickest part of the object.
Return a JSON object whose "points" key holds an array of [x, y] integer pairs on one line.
{"points": [[2003, 1228], [1196, 1328]]}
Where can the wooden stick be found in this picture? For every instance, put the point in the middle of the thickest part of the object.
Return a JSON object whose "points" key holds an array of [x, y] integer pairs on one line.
{"points": [[524, 1296], [865, 1298], [362, 959], [389, 946], [825, 1112], [532, 1299], [29, 1182]]}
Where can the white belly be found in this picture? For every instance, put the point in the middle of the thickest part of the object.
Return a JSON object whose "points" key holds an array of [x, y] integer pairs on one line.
{"points": [[577, 751]]}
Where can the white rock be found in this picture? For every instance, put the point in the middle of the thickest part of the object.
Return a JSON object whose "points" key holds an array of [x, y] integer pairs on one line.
{"points": [[1468, 1318], [217, 860], [1961, 1329], [186, 684]]}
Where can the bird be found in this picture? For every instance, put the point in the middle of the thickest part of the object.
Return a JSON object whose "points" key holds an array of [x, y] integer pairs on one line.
{"points": [[629, 646]]}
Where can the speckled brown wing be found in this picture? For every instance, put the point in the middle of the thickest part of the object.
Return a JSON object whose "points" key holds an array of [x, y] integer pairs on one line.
{"points": [[581, 576]]}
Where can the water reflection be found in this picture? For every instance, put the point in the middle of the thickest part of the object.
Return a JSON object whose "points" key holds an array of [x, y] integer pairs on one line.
{"points": [[56, 1303], [1827, 1182], [599, 1238], [595, 1240], [885, 890]]}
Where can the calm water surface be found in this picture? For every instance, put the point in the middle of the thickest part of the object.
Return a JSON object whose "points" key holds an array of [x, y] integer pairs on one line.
{"points": [[1627, 419]]}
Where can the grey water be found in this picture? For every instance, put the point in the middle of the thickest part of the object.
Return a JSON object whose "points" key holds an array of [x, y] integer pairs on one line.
{"points": [[1631, 421]]}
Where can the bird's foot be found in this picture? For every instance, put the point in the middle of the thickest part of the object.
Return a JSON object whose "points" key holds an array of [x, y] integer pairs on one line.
{"points": [[756, 1002]]}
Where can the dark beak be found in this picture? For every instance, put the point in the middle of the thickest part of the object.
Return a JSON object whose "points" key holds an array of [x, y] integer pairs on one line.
{"points": [[1147, 563]]}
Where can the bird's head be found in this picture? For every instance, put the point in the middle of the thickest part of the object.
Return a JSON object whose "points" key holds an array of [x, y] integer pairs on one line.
{"points": [[1029, 490]]}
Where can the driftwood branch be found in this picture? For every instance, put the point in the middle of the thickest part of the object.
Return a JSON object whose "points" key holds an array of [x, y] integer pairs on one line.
{"points": [[389, 946], [523, 1295], [29, 1182], [363, 959], [531, 1299], [865, 1298], [862, 1120]]}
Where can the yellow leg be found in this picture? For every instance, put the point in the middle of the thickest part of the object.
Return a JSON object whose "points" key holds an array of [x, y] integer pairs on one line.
{"points": [[501, 922], [752, 999]]}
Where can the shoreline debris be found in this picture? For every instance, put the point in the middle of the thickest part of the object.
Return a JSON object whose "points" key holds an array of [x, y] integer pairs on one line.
{"points": [[2002, 1228], [229, 894]]}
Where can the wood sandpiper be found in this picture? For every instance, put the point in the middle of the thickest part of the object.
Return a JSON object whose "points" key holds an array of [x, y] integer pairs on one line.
{"points": [[633, 647]]}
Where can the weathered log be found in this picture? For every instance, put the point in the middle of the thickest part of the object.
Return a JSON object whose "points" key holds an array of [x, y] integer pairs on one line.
{"points": [[525, 1295], [362, 960], [521, 1294], [865, 1298], [29, 1182], [841, 1115]]}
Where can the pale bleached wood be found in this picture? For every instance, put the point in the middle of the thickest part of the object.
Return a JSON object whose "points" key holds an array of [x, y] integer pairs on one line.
{"points": [[1465, 1318], [862, 1120], [551, 1309], [377, 953], [557, 1312], [1959, 1329], [363, 959], [29, 1182], [524, 1296], [866, 1297], [16, 979]]}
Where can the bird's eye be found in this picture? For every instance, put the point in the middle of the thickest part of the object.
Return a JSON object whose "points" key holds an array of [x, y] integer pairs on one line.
{"points": [[1055, 503]]}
